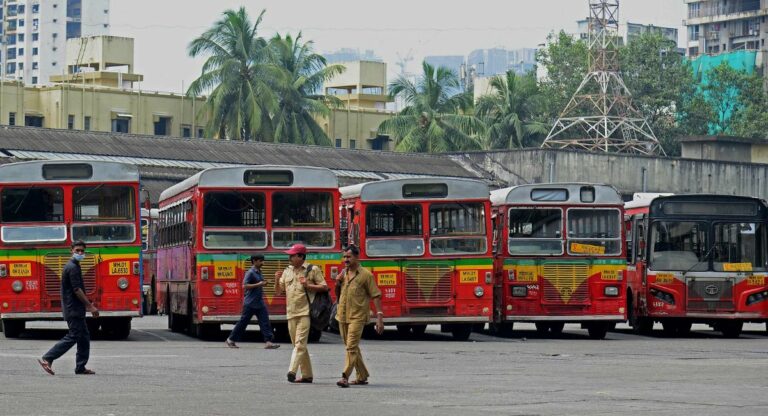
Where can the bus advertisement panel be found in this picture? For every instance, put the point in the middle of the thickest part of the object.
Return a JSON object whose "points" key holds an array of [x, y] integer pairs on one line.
{"points": [[211, 223], [697, 259], [559, 257], [44, 207], [426, 242]]}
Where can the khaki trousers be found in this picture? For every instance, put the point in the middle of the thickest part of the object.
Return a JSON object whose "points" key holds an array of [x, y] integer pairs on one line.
{"points": [[351, 332], [298, 328]]}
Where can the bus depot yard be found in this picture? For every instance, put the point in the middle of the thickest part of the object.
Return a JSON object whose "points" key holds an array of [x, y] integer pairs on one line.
{"points": [[158, 372]]}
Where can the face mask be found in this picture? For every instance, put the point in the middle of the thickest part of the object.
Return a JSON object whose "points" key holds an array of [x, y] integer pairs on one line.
{"points": [[78, 256]]}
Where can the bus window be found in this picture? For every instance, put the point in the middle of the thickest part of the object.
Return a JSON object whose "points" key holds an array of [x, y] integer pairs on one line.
{"points": [[104, 204], [302, 209], [739, 247], [535, 231], [594, 231], [679, 245], [398, 225], [455, 223], [32, 205], [234, 209]]}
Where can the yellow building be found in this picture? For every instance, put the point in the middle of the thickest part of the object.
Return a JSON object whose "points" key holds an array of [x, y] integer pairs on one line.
{"points": [[97, 94], [362, 87]]}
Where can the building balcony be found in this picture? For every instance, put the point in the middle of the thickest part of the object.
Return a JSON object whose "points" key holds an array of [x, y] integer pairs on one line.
{"points": [[720, 13]]}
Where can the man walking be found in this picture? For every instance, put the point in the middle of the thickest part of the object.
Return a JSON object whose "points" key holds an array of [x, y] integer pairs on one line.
{"points": [[74, 304], [358, 288], [253, 304], [300, 280]]}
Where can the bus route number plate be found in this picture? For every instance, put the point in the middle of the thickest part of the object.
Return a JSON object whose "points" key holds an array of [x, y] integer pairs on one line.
{"points": [[21, 269], [387, 279], [468, 276], [119, 268]]}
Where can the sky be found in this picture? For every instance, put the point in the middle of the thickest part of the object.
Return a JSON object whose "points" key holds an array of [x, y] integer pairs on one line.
{"points": [[393, 29]]}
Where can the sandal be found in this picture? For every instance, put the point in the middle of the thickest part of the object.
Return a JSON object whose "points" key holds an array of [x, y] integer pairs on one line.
{"points": [[304, 380], [272, 346], [359, 382], [86, 372], [231, 344], [343, 383], [46, 366]]}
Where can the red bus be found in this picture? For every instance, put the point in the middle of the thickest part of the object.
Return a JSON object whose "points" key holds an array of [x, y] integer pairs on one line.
{"points": [[44, 206], [426, 242], [559, 257], [211, 223], [697, 259], [149, 219]]}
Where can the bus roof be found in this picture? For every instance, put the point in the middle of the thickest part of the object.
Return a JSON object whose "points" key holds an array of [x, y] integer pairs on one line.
{"points": [[643, 199], [394, 189], [234, 177], [708, 205], [523, 194], [83, 171]]}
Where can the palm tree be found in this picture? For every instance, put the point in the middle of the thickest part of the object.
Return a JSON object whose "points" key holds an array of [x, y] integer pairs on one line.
{"points": [[433, 119], [509, 111], [237, 75], [300, 91]]}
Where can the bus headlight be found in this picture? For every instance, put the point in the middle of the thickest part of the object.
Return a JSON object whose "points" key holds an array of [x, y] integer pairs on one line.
{"points": [[519, 291], [479, 291], [17, 286], [218, 290], [204, 273], [611, 291], [122, 283], [757, 297]]}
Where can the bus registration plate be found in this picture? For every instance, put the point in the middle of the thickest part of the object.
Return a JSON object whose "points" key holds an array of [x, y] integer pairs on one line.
{"points": [[119, 268], [468, 276], [387, 279], [21, 269]]}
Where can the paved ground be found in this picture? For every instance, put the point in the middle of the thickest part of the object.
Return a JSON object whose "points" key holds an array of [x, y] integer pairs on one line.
{"points": [[157, 372]]}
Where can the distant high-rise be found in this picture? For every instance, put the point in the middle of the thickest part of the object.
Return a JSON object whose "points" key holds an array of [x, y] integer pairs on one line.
{"points": [[34, 33], [496, 61], [452, 62], [349, 54]]}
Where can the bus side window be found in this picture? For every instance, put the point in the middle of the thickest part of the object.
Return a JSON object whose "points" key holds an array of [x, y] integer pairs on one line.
{"points": [[344, 226], [495, 243], [630, 243], [639, 240]]}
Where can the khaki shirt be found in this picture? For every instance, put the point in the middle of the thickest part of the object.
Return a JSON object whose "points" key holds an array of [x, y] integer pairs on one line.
{"points": [[296, 304], [357, 290]]}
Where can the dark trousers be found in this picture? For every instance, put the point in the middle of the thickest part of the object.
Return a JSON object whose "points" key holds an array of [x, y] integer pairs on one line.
{"points": [[248, 312], [78, 334]]}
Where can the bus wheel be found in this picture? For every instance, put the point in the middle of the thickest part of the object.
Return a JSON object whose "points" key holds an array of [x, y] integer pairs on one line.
{"points": [[281, 332], [556, 328], [404, 331], [461, 332], [731, 329], [315, 335], [669, 328], [118, 328], [597, 330], [542, 328], [503, 329], [12, 328], [206, 331], [93, 325], [418, 330], [684, 328]]}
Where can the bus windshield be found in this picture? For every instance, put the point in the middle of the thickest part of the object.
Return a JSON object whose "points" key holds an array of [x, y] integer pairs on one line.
{"points": [[457, 228], [305, 217], [594, 231], [739, 247], [243, 214], [20, 206], [535, 231], [112, 204], [679, 245], [394, 230]]}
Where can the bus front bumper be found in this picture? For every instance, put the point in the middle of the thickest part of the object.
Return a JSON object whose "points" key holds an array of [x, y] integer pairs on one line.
{"points": [[231, 319], [564, 318], [56, 316]]}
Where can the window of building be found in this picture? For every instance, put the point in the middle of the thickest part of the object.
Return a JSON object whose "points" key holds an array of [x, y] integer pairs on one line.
{"points": [[10, 39], [338, 142], [10, 68], [35, 37], [11, 54], [186, 131], [87, 123], [35, 65], [35, 8], [21, 37], [34, 80], [20, 9], [71, 122], [21, 66], [121, 125], [162, 126], [200, 133], [55, 20], [54, 62], [352, 143], [21, 22], [35, 51], [11, 10], [11, 119], [35, 24], [33, 121], [21, 51]]}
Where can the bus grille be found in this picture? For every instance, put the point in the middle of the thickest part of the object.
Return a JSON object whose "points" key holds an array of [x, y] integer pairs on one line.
{"points": [[710, 295], [54, 265], [268, 270], [565, 283], [428, 283]]}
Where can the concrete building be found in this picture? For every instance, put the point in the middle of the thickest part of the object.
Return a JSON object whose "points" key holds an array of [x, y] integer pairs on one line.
{"points": [[721, 26], [363, 90], [630, 31], [725, 148], [35, 32], [496, 61], [349, 55], [92, 97], [452, 62]]}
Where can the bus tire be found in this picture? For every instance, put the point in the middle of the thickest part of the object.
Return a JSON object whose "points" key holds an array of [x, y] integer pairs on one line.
{"points": [[116, 328], [597, 330], [684, 328], [315, 335], [556, 328], [93, 325], [731, 329], [12, 328], [418, 330], [206, 332], [542, 328], [502, 329], [461, 332], [404, 331], [669, 328]]}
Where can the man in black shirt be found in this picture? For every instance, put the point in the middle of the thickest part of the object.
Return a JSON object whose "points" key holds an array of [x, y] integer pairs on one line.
{"points": [[253, 304], [74, 304]]}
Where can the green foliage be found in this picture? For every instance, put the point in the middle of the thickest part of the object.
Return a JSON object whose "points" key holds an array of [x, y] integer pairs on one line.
{"points": [[737, 100], [565, 60], [436, 117]]}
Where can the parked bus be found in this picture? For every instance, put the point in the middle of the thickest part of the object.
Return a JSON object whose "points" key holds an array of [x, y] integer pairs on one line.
{"points": [[697, 259], [426, 242], [44, 207], [559, 257], [149, 219], [211, 223]]}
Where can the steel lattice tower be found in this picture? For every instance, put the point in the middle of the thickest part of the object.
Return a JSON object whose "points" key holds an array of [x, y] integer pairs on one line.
{"points": [[600, 116]]}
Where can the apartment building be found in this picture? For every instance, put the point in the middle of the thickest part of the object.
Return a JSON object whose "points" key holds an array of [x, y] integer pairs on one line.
{"points": [[33, 35], [722, 26]]}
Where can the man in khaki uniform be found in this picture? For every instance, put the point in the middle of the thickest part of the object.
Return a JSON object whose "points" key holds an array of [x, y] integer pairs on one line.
{"points": [[295, 282], [358, 288]]}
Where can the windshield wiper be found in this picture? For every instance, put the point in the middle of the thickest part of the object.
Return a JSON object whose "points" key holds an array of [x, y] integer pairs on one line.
{"points": [[24, 198], [92, 190], [706, 258]]}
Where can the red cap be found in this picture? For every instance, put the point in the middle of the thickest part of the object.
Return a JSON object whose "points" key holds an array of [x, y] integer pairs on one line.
{"points": [[297, 249]]}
